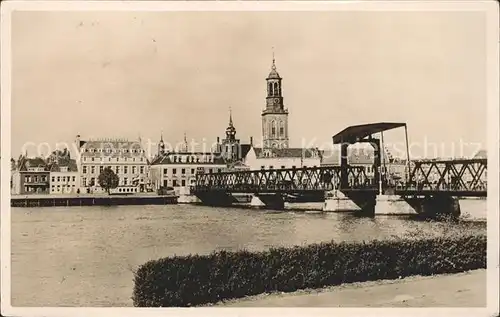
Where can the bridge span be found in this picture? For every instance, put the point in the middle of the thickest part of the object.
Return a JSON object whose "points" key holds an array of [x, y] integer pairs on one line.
{"points": [[430, 186]]}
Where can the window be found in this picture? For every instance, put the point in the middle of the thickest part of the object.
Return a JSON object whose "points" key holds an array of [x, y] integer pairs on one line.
{"points": [[117, 169], [293, 166], [92, 169], [174, 182], [53, 179], [219, 170], [134, 169], [125, 170], [84, 170], [92, 159], [183, 182], [262, 167], [125, 181], [58, 178], [282, 131], [165, 171], [74, 179], [271, 167], [174, 171], [183, 171], [101, 168], [210, 170], [192, 171], [282, 166], [84, 182], [142, 169]]}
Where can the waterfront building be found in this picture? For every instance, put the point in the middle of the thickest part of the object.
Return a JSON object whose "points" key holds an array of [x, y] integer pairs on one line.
{"points": [[126, 158], [178, 169], [279, 158], [64, 178], [30, 177], [394, 168]]}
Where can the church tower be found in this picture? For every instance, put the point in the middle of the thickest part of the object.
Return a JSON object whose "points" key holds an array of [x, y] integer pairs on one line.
{"points": [[275, 116], [230, 145], [161, 145]]}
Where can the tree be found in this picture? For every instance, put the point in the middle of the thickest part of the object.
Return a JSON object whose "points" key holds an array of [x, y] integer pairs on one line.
{"points": [[108, 179]]}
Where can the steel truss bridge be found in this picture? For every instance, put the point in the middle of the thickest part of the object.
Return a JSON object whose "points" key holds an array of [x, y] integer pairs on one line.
{"points": [[427, 182], [464, 178]]}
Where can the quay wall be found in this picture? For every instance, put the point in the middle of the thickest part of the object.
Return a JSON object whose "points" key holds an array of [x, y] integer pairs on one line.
{"points": [[48, 201]]}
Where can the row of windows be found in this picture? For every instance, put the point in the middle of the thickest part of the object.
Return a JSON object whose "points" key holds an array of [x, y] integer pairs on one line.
{"points": [[35, 179], [192, 170], [116, 169], [58, 188], [175, 183], [109, 159], [109, 150], [127, 190], [93, 182], [192, 159], [64, 178]]}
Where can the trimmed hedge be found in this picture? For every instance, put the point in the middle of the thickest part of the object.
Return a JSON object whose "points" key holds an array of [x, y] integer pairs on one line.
{"points": [[195, 280]]}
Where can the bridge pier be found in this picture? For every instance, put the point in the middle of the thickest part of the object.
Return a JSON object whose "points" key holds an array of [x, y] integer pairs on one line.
{"points": [[366, 201], [272, 201], [216, 198], [437, 206]]}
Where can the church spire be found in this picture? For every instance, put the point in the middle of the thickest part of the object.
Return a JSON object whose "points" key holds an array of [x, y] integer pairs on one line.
{"points": [[273, 67], [230, 117]]}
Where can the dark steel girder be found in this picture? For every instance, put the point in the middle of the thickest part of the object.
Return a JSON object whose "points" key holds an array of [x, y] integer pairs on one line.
{"points": [[282, 180]]}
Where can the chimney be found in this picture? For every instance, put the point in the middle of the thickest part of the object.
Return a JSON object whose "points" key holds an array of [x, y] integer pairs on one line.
{"points": [[251, 140], [77, 141], [218, 140]]}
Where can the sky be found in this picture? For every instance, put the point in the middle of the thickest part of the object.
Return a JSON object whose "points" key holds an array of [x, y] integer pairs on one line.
{"points": [[131, 74]]}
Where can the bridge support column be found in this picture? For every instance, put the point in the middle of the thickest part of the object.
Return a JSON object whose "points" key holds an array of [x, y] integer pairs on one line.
{"points": [[365, 201], [392, 205], [216, 198], [436, 207], [272, 201]]}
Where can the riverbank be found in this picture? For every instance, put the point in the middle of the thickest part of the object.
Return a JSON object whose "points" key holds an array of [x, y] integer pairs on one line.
{"points": [[90, 200], [466, 289]]}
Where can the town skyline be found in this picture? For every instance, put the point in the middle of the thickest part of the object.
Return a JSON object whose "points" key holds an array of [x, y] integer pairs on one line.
{"points": [[105, 83]]}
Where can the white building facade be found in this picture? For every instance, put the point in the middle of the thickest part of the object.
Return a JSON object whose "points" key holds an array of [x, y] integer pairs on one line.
{"points": [[126, 158], [178, 170], [64, 181], [279, 158]]}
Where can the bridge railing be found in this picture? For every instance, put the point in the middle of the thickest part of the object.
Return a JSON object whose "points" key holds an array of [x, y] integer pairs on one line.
{"points": [[464, 175], [284, 180]]}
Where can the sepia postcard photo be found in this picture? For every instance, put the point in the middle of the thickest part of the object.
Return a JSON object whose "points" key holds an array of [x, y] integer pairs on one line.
{"points": [[246, 157]]}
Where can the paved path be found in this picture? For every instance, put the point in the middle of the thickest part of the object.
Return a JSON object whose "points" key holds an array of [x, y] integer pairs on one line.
{"points": [[458, 290]]}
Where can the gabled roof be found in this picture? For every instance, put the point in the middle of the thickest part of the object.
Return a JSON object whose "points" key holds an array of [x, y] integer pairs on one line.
{"points": [[71, 165], [357, 132], [25, 162], [245, 148], [286, 152], [481, 154]]}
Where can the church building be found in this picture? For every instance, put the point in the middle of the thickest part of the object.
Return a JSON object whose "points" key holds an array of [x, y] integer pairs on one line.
{"points": [[275, 152]]}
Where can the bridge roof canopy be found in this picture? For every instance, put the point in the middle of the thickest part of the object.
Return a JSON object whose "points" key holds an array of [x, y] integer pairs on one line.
{"points": [[355, 133]]}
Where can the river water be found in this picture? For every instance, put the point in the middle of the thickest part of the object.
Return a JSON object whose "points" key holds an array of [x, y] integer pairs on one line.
{"points": [[84, 256]]}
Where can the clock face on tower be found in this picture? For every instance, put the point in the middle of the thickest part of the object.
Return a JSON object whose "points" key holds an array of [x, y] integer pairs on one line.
{"points": [[276, 101]]}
